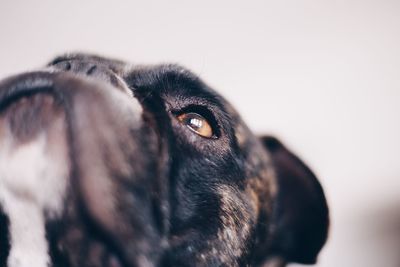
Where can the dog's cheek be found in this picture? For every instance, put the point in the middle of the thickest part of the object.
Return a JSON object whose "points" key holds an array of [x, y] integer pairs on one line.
{"points": [[238, 213], [222, 239]]}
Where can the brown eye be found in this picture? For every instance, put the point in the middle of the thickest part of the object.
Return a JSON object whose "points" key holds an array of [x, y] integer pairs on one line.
{"points": [[197, 124]]}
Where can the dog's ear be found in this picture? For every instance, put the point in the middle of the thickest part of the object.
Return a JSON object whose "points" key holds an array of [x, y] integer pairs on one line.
{"points": [[300, 219]]}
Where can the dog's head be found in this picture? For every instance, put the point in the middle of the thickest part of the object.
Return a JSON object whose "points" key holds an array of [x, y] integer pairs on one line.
{"points": [[108, 164]]}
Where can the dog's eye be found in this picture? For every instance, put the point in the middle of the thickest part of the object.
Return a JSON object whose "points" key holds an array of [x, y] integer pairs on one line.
{"points": [[196, 123]]}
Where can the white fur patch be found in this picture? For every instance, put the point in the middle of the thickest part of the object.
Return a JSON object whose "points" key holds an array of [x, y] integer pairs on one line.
{"points": [[33, 178]]}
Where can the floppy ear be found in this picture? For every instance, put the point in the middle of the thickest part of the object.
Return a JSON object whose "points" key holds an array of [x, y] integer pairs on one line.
{"points": [[300, 219]]}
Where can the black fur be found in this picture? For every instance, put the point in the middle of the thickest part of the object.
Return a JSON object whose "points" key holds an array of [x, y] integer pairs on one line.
{"points": [[4, 239], [232, 200]]}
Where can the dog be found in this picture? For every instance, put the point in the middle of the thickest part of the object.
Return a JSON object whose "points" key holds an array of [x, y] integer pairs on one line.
{"points": [[108, 164]]}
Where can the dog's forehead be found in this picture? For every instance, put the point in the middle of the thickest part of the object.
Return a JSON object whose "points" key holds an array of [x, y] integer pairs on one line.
{"points": [[177, 85]]}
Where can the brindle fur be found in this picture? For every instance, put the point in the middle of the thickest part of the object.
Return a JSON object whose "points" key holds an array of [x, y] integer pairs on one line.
{"points": [[143, 190]]}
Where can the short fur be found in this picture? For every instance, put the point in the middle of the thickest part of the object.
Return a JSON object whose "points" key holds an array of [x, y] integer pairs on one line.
{"points": [[141, 188]]}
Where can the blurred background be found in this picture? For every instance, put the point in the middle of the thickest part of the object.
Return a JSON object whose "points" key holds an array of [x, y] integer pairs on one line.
{"points": [[323, 76]]}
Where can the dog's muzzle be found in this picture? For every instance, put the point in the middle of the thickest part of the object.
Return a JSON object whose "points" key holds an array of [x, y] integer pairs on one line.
{"points": [[91, 170]]}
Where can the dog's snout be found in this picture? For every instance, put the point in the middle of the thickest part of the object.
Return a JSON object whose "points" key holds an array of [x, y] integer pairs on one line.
{"points": [[112, 159], [77, 66], [93, 69]]}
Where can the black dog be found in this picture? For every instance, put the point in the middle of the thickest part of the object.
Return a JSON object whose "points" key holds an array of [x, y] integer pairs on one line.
{"points": [[108, 164]]}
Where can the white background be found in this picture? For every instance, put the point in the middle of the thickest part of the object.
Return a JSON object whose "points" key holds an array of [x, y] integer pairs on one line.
{"points": [[324, 76]]}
